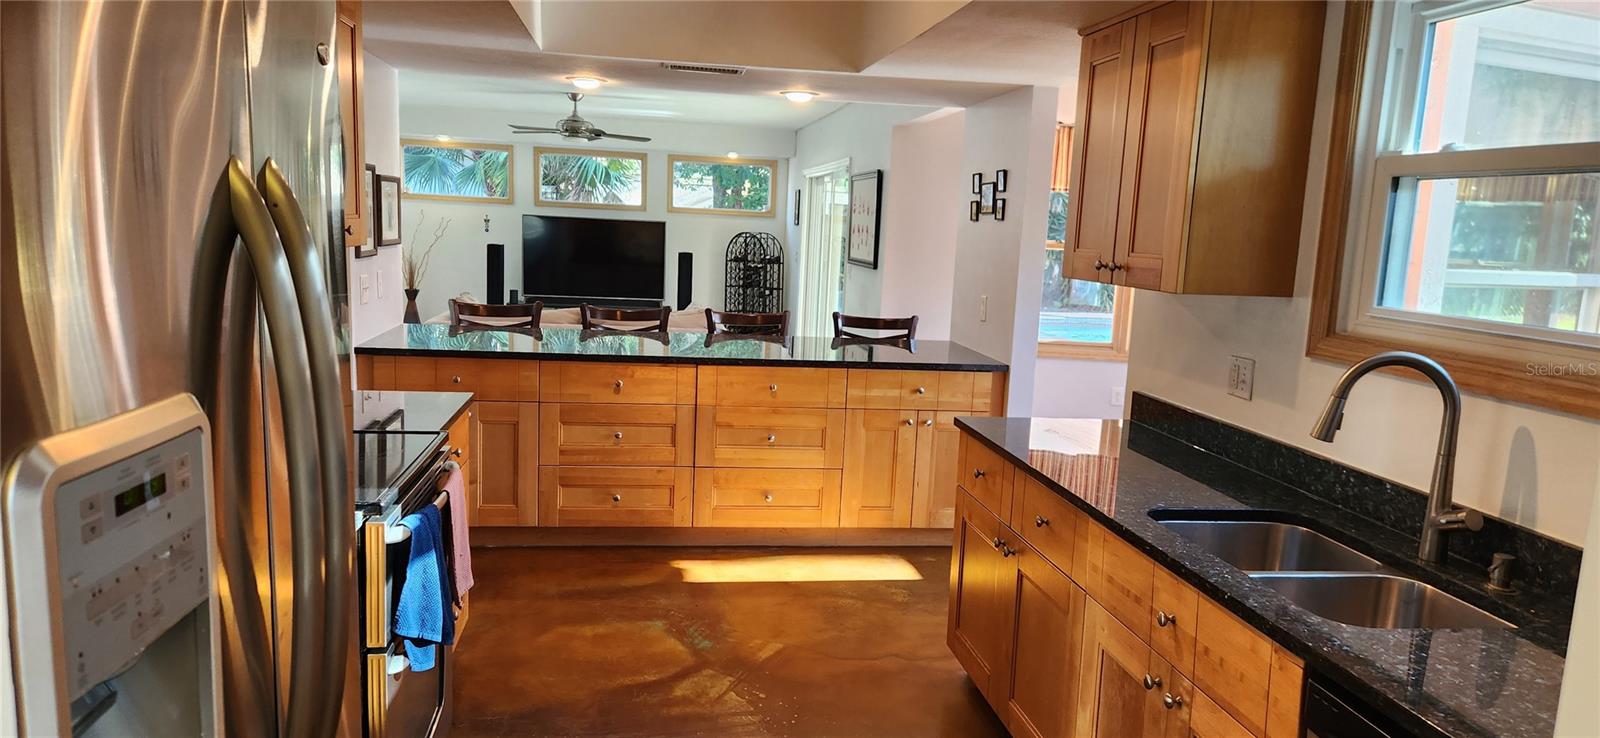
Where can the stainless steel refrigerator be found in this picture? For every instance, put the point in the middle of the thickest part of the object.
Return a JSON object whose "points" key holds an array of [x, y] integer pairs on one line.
{"points": [[171, 223]]}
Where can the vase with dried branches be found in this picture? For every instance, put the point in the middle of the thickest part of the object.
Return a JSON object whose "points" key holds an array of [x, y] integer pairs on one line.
{"points": [[413, 266]]}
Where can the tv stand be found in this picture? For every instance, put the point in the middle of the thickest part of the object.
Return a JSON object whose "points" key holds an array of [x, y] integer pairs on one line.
{"points": [[551, 301]]}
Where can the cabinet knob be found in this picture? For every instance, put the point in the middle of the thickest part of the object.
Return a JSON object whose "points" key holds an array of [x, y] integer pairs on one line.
{"points": [[617, 385], [616, 498], [767, 497], [996, 543], [1040, 521], [978, 474], [772, 439], [1163, 619], [1115, 267], [928, 423], [455, 379], [349, 230], [1007, 552], [1151, 682], [1099, 265], [617, 435], [910, 421], [1171, 701], [922, 390], [456, 452], [772, 388]]}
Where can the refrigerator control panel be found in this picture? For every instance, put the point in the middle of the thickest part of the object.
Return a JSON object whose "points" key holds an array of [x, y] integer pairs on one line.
{"points": [[132, 556]]}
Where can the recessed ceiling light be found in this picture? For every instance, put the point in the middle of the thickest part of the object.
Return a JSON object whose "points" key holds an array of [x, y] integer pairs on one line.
{"points": [[585, 83], [798, 96], [441, 137], [733, 154]]}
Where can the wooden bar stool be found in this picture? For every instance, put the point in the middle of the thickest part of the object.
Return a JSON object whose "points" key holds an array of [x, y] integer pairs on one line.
{"points": [[765, 324], [906, 326], [654, 318], [468, 313]]}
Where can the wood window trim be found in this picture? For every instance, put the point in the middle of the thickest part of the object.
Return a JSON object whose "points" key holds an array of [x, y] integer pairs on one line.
{"points": [[644, 178], [511, 170], [1504, 379], [772, 199], [1117, 350]]}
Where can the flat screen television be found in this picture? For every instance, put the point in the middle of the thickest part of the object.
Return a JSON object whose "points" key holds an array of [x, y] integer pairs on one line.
{"points": [[566, 261]]}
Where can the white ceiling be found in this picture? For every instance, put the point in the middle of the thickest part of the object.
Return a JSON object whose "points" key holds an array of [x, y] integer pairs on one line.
{"points": [[481, 54]]}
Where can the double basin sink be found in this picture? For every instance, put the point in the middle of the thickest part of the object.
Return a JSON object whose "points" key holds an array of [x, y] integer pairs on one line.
{"points": [[1325, 577]]}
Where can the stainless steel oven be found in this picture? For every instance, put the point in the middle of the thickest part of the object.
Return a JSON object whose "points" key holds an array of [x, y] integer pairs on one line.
{"points": [[399, 702]]}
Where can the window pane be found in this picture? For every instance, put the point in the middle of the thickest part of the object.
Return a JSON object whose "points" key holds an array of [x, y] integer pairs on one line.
{"points": [[1508, 249], [705, 185], [1517, 75], [1074, 310], [598, 180], [1056, 225], [457, 171]]}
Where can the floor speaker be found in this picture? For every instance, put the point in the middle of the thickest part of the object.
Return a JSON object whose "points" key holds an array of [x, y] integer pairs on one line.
{"points": [[685, 279], [497, 274]]}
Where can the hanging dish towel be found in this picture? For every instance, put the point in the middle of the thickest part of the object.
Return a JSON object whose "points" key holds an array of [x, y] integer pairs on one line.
{"points": [[424, 618], [460, 547]]}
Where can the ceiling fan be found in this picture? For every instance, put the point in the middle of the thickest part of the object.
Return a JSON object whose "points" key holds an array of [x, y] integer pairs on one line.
{"points": [[574, 126]]}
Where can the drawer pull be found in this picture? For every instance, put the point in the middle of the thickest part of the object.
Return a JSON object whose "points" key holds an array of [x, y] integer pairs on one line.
{"points": [[922, 390], [456, 452], [617, 435], [455, 379], [1151, 682], [1171, 701], [978, 474], [772, 388], [772, 439], [1007, 552], [767, 497], [928, 423], [1040, 521], [910, 421], [1163, 619], [617, 385], [616, 498]]}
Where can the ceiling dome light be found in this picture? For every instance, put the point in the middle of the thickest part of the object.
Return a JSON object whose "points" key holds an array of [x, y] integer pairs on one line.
{"points": [[799, 96], [585, 83], [733, 154], [441, 137]]}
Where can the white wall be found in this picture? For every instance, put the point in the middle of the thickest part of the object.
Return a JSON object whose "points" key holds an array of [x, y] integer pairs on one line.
{"points": [[1079, 388], [458, 262], [1527, 465], [922, 205], [377, 307], [1579, 712], [861, 133], [1003, 260]]}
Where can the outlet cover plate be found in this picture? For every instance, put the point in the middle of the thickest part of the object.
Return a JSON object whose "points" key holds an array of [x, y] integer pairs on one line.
{"points": [[1242, 377]]}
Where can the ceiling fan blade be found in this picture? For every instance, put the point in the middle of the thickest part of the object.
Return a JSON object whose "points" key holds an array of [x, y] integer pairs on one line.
{"points": [[603, 134], [532, 129]]}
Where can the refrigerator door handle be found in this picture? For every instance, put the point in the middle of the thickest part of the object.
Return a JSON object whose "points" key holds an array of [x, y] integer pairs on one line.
{"points": [[336, 547], [238, 209]]}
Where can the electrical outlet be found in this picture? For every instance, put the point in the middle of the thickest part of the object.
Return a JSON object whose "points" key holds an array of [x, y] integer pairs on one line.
{"points": [[366, 288], [1117, 394], [1242, 377], [983, 308]]}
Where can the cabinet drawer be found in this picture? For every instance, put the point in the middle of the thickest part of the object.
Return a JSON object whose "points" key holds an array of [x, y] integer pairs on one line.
{"points": [[615, 496], [762, 386], [790, 438], [616, 435], [892, 389], [760, 498], [1233, 664], [1047, 522], [488, 379], [986, 476], [1117, 576], [603, 382], [403, 373], [1172, 620]]}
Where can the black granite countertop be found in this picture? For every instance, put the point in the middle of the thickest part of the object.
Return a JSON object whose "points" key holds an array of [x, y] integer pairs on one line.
{"points": [[396, 433], [572, 344], [1490, 682], [406, 412]]}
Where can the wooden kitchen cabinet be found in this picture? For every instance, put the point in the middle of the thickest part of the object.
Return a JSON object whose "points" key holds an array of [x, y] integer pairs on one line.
{"points": [[980, 570], [938, 468], [880, 463], [347, 44], [1114, 700], [460, 437], [506, 449], [1039, 687], [1190, 112]]}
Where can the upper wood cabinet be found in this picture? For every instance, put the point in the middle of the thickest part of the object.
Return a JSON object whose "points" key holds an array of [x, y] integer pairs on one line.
{"points": [[347, 53], [1189, 165]]}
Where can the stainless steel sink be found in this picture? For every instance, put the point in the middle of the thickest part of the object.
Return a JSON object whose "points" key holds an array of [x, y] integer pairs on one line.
{"points": [[1377, 600], [1257, 545]]}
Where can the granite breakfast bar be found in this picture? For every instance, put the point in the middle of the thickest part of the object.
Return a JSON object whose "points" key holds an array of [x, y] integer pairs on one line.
{"points": [[574, 429]]}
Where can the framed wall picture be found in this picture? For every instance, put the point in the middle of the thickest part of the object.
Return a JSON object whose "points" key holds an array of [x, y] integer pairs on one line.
{"points": [[866, 206], [1000, 179], [797, 207], [977, 182], [972, 211], [386, 215], [1000, 208], [369, 246], [986, 198]]}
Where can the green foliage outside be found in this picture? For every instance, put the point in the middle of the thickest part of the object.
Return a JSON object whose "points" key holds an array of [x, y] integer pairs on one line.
{"points": [[593, 179], [1056, 224], [731, 186], [457, 171]]}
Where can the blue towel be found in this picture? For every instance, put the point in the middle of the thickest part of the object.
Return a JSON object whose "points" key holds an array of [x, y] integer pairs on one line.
{"points": [[424, 619]]}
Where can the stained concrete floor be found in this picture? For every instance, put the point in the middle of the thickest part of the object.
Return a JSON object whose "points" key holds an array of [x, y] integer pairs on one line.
{"points": [[615, 642]]}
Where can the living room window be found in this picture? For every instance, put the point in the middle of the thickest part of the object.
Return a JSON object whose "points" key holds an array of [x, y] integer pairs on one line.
{"points": [[1473, 164], [448, 170], [724, 186], [585, 178], [1077, 319]]}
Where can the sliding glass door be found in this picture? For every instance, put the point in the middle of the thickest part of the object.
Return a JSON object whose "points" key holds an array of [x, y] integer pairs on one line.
{"points": [[823, 231]]}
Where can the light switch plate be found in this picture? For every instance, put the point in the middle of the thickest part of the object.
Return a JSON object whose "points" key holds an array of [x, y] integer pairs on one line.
{"points": [[1242, 377], [1117, 393], [983, 308], [366, 288], [380, 284]]}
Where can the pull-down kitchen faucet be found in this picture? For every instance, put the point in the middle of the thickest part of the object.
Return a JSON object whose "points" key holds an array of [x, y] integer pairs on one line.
{"points": [[1443, 516]]}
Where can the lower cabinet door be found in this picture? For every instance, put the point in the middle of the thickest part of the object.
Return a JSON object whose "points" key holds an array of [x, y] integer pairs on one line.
{"points": [[766, 498], [615, 496], [981, 578], [880, 462], [1120, 695], [506, 454], [933, 496], [1040, 687], [1208, 720]]}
